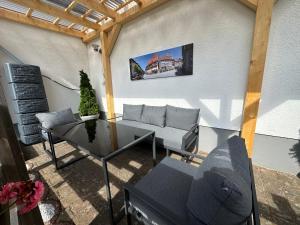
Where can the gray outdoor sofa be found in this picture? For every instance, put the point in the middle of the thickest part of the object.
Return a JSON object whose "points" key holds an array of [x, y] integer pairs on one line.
{"points": [[221, 191], [175, 128]]}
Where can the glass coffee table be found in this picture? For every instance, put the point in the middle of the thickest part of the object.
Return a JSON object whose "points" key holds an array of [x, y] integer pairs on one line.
{"points": [[104, 140]]}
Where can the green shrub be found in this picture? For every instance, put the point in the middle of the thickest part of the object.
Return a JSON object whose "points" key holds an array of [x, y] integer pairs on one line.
{"points": [[88, 102]]}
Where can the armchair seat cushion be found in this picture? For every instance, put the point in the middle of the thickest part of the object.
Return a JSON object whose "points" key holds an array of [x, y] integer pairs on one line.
{"points": [[167, 137], [168, 183]]}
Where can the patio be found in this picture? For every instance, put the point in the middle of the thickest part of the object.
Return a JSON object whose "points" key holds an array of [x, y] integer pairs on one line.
{"points": [[75, 186], [154, 112]]}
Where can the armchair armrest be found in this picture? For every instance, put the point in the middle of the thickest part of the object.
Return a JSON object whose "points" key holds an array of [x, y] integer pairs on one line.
{"points": [[150, 203], [190, 137], [43, 128]]}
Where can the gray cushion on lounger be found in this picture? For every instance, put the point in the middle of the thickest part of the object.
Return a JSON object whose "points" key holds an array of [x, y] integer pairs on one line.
{"points": [[154, 115], [132, 112], [181, 118]]}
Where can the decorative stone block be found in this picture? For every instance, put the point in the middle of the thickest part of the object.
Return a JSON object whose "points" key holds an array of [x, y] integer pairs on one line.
{"points": [[30, 105], [26, 91], [21, 73]]}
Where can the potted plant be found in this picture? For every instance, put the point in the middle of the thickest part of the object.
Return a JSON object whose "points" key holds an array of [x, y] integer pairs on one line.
{"points": [[88, 108]]}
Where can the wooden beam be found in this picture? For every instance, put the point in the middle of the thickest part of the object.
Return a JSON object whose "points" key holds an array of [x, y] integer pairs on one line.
{"points": [[252, 4], [99, 7], [107, 74], [90, 36], [112, 38], [134, 12], [256, 71], [54, 11], [22, 18]]}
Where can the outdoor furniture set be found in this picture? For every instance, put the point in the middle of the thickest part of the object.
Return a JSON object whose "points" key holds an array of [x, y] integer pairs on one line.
{"points": [[220, 191]]}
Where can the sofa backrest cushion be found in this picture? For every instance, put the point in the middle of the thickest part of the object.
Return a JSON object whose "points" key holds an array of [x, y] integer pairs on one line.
{"points": [[132, 112], [221, 190], [155, 115], [53, 119], [181, 118]]}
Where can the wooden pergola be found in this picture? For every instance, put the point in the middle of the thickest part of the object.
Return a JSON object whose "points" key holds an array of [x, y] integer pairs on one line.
{"points": [[89, 19]]}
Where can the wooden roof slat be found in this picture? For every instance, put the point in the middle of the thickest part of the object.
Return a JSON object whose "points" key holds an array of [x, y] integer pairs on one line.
{"points": [[100, 7], [124, 4], [43, 7], [134, 12], [22, 18], [56, 21], [29, 12], [71, 6], [88, 12]]}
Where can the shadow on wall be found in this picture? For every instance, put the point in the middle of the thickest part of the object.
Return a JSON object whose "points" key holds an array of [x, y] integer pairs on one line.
{"points": [[295, 153]]}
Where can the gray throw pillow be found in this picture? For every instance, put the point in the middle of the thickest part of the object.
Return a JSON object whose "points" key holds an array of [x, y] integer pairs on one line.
{"points": [[154, 115], [221, 187], [52, 119], [132, 112], [181, 118]]}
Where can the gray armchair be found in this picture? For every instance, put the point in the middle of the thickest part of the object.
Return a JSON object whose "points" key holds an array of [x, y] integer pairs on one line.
{"points": [[47, 122], [219, 192]]}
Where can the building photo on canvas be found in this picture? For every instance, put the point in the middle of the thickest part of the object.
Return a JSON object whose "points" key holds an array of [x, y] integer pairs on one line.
{"points": [[167, 63]]}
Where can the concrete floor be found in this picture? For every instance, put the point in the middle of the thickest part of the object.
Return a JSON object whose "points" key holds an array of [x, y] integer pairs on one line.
{"points": [[78, 190]]}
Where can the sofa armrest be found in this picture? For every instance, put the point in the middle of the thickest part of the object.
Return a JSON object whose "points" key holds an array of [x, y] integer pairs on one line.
{"points": [[190, 137], [150, 203]]}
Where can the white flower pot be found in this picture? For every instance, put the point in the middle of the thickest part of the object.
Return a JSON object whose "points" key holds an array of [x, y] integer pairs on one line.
{"points": [[89, 117]]}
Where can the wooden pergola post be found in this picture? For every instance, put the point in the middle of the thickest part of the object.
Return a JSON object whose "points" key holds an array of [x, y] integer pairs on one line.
{"points": [[257, 64], [108, 40]]}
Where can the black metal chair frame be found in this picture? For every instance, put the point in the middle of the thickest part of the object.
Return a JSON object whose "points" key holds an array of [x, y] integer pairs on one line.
{"points": [[165, 213], [52, 153]]}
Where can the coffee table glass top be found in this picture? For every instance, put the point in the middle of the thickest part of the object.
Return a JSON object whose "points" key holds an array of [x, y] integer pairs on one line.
{"points": [[99, 137]]}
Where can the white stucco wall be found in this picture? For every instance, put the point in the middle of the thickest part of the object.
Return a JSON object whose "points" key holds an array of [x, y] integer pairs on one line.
{"points": [[59, 57], [221, 31], [279, 112]]}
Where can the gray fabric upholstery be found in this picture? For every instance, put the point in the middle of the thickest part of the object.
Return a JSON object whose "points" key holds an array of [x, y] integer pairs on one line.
{"points": [[222, 186], [168, 137], [132, 112], [154, 115], [55, 139], [181, 118], [168, 183], [52, 119]]}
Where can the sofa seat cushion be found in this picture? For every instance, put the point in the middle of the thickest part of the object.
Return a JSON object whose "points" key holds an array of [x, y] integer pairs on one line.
{"points": [[168, 137], [168, 184], [222, 186], [155, 115], [132, 112], [181, 118]]}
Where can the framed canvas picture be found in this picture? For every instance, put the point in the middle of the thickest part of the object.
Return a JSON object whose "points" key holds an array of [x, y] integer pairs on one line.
{"points": [[166, 63]]}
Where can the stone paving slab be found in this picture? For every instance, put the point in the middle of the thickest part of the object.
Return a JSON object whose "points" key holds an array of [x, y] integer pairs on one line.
{"points": [[80, 188]]}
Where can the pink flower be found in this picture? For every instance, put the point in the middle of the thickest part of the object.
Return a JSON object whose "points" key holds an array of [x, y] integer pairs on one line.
{"points": [[31, 200], [9, 191], [27, 194]]}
